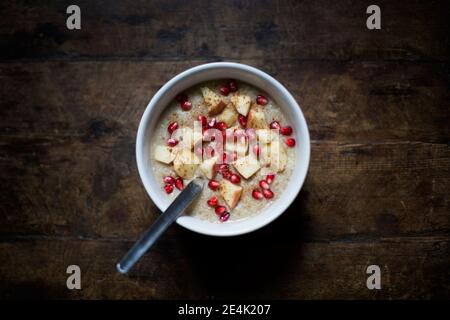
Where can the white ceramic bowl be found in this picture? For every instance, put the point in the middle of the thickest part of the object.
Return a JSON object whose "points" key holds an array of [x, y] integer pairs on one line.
{"points": [[250, 75]]}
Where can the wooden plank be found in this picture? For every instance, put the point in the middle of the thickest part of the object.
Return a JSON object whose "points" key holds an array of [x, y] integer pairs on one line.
{"points": [[70, 128], [359, 102], [66, 187], [194, 266], [377, 104], [202, 29]]}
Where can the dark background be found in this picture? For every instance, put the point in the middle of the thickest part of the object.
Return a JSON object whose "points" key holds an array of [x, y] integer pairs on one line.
{"points": [[376, 102]]}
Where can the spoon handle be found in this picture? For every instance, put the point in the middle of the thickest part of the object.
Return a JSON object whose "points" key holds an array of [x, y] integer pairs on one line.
{"points": [[176, 208]]}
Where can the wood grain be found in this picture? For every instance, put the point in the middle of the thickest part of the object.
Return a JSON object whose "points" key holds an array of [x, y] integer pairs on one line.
{"points": [[179, 30], [91, 189], [242, 267], [358, 102]]}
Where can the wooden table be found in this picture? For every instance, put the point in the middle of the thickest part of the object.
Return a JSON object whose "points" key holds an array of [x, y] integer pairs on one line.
{"points": [[376, 102]]}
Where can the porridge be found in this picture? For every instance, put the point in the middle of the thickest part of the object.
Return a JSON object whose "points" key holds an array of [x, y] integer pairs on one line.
{"points": [[232, 135]]}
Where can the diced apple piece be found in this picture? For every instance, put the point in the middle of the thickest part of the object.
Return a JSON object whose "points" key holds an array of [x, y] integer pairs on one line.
{"points": [[265, 171], [213, 101], [230, 192], [185, 163], [228, 115], [264, 135], [247, 166], [278, 157], [242, 103], [165, 154], [207, 167], [256, 118]]}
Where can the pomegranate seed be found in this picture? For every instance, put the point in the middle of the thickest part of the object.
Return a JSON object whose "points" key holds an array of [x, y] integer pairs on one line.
{"points": [[171, 142], [290, 142], [169, 180], [168, 188], [221, 126], [172, 127], [264, 184], [213, 184], [224, 216], [223, 168], [269, 178], [257, 194], [234, 178], [186, 105], [212, 123], [213, 202], [226, 174], [261, 100], [181, 97], [286, 131], [275, 125], [203, 121], [242, 120], [268, 194], [224, 90], [256, 150], [232, 84], [220, 210], [179, 183]]}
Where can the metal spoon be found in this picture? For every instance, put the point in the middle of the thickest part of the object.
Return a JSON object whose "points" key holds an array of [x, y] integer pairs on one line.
{"points": [[176, 208]]}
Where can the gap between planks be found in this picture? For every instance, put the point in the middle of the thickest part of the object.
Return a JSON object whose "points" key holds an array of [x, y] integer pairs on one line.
{"points": [[193, 59], [432, 236]]}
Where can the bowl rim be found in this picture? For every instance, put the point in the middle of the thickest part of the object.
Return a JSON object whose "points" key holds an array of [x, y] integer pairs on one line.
{"points": [[141, 138]]}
